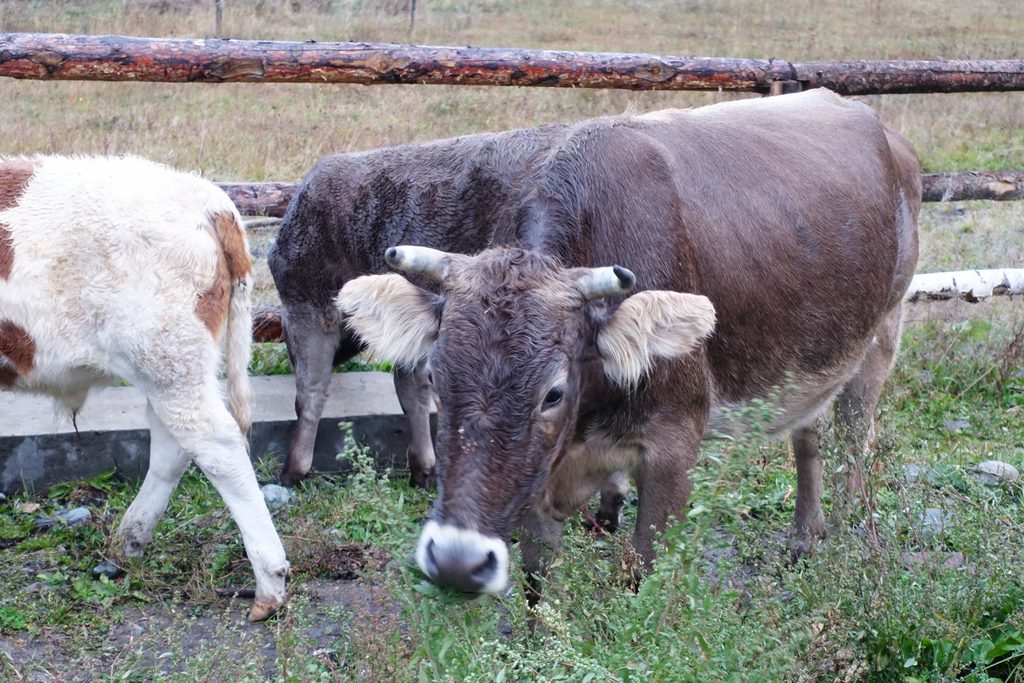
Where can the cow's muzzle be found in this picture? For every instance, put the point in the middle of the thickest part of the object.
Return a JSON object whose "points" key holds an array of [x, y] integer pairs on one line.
{"points": [[463, 559]]}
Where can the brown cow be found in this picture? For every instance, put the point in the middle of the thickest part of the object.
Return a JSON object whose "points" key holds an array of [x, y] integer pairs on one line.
{"points": [[772, 241]]}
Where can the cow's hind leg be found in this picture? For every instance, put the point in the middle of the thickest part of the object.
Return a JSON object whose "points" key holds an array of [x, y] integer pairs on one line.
{"points": [[613, 498], [167, 462], [205, 429], [413, 389], [808, 523], [312, 351], [855, 406]]}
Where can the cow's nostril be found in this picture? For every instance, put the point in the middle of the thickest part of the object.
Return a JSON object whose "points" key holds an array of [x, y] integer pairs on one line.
{"points": [[431, 559], [483, 571]]}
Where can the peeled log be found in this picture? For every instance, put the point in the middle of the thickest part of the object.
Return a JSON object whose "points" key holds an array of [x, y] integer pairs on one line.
{"points": [[969, 285], [956, 187], [54, 56]]}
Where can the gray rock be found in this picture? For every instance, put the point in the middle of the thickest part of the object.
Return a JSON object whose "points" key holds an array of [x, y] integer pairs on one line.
{"points": [[134, 630], [108, 569], [35, 587], [75, 517], [956, 425], [994, 473], [912, 473], [933, 521], [3, 498], [276, 496], [959, 208]]}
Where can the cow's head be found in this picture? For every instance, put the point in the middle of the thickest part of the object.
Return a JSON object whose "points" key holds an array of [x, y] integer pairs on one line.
{"points": [[514, 341]]}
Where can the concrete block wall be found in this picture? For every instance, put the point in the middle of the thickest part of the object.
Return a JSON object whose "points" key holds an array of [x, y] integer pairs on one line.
{"points": [[39, 448]]}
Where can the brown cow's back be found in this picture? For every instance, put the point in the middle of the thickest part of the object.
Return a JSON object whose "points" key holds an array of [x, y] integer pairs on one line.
{"points": [[800, 236]]}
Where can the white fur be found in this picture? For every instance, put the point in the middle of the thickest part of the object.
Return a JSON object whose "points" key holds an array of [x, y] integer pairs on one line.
{"points": [[391, 315], [467, 542], [650, 324], [110, 258]]}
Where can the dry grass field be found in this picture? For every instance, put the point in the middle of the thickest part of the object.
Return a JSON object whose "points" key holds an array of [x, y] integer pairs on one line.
{"points": [[275, 132]]}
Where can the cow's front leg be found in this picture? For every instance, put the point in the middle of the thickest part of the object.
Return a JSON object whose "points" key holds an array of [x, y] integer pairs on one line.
{"points": [[413, 389], [538, 542], [312, 351], [663, 487]]}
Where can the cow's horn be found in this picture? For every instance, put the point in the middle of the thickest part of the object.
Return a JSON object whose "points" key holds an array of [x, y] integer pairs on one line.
{"points": [[599, 282], [428, 262]]}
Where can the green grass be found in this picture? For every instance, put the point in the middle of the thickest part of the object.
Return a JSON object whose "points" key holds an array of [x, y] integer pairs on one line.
{"points": [[724, 601]]}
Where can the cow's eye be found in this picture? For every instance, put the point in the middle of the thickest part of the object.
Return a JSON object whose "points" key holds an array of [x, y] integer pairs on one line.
{"points": [[553, 398]]}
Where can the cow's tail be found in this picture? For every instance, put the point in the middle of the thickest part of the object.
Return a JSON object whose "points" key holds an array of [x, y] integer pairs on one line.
{"points": [[238, 333]]}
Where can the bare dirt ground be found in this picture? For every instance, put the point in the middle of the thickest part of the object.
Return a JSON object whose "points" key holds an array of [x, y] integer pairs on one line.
{"points": [[163, 637]]}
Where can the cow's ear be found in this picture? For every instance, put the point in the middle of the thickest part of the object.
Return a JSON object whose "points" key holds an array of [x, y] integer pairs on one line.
{"points": [[396, 319], [649, 324]]}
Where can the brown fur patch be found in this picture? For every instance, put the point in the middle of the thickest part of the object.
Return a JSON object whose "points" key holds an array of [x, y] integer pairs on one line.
{"points": [[212, 306], [14, 178], [233, 264], [18, 350], [232, 242]]}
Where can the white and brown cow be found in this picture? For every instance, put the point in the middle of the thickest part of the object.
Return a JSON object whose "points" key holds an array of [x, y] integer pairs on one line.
{"points": [[122, 268], [771, 240]]}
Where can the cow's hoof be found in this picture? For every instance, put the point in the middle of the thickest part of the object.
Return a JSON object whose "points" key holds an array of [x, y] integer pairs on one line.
{"points": [[289, 480], [261, 611], [424, 479], [608, 524]]}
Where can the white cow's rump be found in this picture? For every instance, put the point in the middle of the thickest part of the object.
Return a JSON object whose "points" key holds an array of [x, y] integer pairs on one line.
{"points": [[122, 268]]}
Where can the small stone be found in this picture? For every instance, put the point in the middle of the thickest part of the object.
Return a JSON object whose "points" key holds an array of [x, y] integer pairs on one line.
{"points": [[956, 425], [75, 517], [934, 521], [108, 569], [3, 498], [276, 496], [959, 208], [135, 630], [912, 473], [994, 473], [35, 587]]}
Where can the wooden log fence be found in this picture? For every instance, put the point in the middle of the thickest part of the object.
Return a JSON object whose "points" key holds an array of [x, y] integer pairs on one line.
{"points": [[50, 56]]}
